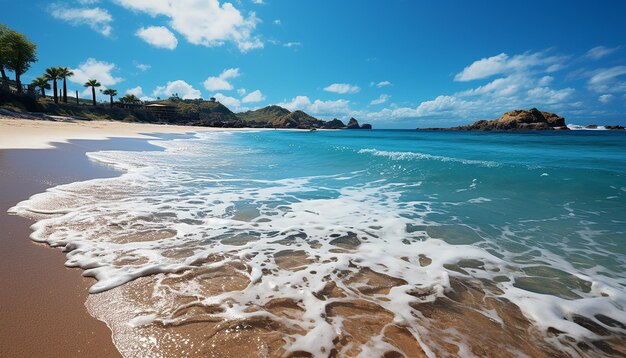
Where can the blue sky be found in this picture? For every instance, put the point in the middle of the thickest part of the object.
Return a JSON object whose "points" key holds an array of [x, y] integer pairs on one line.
{"points": [[393, 63]]}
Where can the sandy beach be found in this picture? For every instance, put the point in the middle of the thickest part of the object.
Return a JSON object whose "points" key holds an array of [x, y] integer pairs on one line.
{"points": [[43, 304], [18, 133]]}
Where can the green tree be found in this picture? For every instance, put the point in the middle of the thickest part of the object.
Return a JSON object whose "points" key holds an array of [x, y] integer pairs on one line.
{"points": [[41, 82], [93, 84], [111, 93], [54, 74], [130, 98], [3, 60], [65, 73], [16, 53]]}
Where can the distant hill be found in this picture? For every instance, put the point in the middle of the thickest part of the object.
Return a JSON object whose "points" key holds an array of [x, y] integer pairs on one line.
{"points": [[200, 113], [263, 116], [279, 117]]}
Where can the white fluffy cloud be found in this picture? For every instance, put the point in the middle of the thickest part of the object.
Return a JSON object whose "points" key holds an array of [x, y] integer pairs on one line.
{"points": [[608, 80], [179, 87], [232, 103], [220, 83], [521, 83], [599, 52], [203, 22], [97, 19], [383, 84], [318, 107], [504, 64], [605, 98], [292, 44], [137, 91], [380, 100], [143, 67], [253, 97], [342, 88], [158, 36], [98, 70]]}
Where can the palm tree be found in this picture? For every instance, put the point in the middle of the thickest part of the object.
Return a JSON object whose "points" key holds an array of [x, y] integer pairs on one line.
{"points": [[42, 83], [110, 92], [93, 84], [53, 74], [64, 74], [130, 98]]}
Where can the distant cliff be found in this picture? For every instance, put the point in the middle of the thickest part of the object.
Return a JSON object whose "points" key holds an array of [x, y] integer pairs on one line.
{"points": [[517, 120]]}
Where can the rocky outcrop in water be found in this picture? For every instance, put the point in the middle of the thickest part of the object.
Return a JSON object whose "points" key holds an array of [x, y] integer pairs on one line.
{"points": [[354, 124], [531, 119]]}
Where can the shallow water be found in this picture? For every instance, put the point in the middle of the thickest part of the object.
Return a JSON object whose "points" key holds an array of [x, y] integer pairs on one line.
{"points": [[354, 243]]}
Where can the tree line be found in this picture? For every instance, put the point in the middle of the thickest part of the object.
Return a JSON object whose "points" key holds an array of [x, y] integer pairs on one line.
{"points": [[18, 53]]}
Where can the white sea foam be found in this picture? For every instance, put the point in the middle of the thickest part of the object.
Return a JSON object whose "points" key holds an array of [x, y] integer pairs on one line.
{"points": [[422, 156], [577, 127], [91, 220]]}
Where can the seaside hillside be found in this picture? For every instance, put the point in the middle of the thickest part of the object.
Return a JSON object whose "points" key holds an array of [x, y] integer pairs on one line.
{"points": [[174, 110], [197, 112], [262, 116]]}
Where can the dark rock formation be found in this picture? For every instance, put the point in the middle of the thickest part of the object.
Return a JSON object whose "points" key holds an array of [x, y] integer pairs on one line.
{"points": [[353, 124], [334, 124], [616, 127], [592, 126], [531, 119]]}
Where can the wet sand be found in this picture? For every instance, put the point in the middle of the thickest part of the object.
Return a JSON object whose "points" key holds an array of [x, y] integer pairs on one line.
{"points": [[42, 303]]}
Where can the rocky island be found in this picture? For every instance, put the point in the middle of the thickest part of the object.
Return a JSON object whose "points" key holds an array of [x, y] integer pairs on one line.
{"points": [[531, 119]]}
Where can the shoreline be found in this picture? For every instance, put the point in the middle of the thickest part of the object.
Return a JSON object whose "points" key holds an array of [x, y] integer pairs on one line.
{"points": [[44, 310]]}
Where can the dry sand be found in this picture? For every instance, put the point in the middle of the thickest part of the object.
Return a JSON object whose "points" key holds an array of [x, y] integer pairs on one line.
{"points": [[19, 133]]}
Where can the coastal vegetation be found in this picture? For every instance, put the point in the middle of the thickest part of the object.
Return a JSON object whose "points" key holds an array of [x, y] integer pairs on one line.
{"points": [[53, 74], [17, 53], [93, 84], [111, 93]]}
